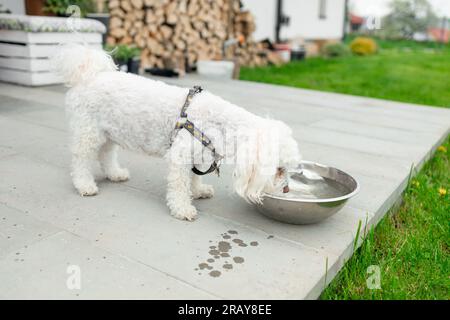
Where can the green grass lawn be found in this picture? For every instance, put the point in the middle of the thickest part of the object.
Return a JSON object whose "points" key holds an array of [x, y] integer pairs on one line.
{"points": [[402, 71], [411, 245]]}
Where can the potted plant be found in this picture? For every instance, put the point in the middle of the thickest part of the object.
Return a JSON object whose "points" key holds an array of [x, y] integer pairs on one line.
{"points": [[59, 7], [127, 57]]}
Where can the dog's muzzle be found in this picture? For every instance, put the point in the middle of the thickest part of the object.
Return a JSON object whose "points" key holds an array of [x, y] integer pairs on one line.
{"points": [[282, 171]]}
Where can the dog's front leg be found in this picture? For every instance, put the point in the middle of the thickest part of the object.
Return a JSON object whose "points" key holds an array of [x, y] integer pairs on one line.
{"points": [[179, 192]]}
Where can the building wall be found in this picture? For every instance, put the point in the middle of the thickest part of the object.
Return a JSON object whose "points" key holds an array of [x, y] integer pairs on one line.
{"points": [[304, 19], [264, 12], [16, 6]]}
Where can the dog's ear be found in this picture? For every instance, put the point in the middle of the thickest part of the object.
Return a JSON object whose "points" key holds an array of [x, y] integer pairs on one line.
{"points": [[256, 161], [78, 63]]}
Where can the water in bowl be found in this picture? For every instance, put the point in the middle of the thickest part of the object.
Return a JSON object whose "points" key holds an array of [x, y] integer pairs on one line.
{"points": [[302, 187]]}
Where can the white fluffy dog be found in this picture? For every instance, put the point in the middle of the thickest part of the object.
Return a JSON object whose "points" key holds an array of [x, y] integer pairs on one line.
{"points": [[107, 109]]}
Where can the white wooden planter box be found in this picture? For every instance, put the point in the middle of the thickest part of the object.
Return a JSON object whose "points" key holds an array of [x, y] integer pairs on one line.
{"points": [[24, 54], [29, 78]]}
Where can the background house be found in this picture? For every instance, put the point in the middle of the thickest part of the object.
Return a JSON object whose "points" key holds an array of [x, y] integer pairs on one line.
{"points": [[355, 22], [308, 19]]}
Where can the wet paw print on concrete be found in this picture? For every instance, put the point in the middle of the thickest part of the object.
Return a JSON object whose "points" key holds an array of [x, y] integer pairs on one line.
{"points": [[221, 257]]}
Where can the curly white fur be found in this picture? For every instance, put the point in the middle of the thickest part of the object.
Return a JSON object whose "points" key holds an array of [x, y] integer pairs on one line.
{"points": [[107, 108], [77, 63]]}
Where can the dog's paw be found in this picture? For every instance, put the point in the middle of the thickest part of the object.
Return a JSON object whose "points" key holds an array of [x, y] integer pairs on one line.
{"points": [[188, 213], [87, 190], [204, 191], [119, 175]]}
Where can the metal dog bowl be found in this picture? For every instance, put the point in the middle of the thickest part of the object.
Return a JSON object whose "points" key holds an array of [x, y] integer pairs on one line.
{"points": [[316, 193]]}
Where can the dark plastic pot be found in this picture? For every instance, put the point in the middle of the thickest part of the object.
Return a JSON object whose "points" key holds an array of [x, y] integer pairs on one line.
{"points": [[298, 54], [123, 65], [133, 65]]}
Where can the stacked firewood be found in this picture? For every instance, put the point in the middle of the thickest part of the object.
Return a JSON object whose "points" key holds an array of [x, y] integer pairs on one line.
{"points": [[174, 32]]}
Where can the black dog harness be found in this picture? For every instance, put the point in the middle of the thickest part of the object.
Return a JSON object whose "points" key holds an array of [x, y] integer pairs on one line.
{"points": [[183, 122]]}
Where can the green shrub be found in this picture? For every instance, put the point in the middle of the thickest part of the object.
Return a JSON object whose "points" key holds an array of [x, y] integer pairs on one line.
{"points": [[333, 50], [363, 46], [59, 7], [123, 53]]}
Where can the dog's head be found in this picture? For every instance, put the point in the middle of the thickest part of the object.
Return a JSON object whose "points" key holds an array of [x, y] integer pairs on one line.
{"points": [[264, 154]]}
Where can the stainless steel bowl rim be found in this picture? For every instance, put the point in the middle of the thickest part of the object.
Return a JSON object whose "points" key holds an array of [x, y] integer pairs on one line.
{"points": [[345, 197]]}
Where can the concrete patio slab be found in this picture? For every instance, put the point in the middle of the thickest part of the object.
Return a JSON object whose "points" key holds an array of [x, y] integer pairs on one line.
{"points": [[42, 270], [126, 244], [19, 230]]}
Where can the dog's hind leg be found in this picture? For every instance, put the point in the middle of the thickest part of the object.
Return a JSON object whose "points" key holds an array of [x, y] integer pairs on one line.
{"points": [[86, 144], [110, 164], [199, 189]]}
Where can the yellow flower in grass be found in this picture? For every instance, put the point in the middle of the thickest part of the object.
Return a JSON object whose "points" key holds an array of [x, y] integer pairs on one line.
{"points": [[415, 183], [442, 191], [442, 149]]}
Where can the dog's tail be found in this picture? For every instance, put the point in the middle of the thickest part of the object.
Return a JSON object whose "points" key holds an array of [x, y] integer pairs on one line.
{"points": [[78, 63]]}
